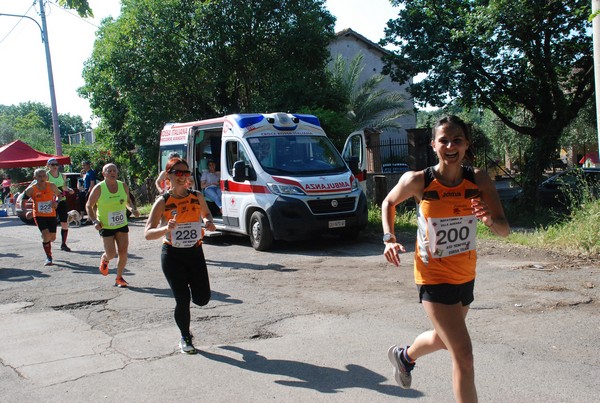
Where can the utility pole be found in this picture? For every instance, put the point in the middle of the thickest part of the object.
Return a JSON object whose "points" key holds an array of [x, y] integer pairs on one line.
{"points": [[44, 32], [55, 125], [596, 35]]}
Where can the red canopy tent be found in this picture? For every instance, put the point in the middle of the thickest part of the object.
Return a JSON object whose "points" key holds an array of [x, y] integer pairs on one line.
{"points": [[19, 155]]}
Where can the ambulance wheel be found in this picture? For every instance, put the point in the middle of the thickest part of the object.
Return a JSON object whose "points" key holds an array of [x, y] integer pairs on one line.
{"points": [[260, 231]]}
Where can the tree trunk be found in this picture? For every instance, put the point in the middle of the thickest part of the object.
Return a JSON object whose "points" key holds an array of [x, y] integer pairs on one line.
{"points": [[537, 156]]}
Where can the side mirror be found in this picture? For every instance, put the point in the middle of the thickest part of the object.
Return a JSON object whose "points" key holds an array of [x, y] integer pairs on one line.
{"points": [[240, 172], [353, 164]]}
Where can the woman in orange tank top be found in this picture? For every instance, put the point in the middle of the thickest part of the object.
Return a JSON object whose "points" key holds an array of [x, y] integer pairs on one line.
{"points": [[451, 196], [44, 195], [177, 217]]}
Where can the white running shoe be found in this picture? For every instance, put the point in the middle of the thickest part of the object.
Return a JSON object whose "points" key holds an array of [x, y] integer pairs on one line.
{"points": [[186, 346], [401, 370]]}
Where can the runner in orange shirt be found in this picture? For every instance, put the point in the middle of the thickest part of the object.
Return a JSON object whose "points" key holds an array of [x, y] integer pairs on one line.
{"points": [[44, 195], [451, 197], [177, 217]]}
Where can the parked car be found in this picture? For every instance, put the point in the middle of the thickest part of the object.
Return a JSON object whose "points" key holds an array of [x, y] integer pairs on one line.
{"points": [[562, 189], [395, 167], [72, 199]]}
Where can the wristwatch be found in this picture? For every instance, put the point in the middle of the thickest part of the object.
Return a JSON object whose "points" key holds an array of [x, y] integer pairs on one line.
{"points": [[387, 237], [95, 222]]}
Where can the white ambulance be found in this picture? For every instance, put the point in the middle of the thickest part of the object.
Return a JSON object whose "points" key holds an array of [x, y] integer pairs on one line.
{"points": [[281, 178]]}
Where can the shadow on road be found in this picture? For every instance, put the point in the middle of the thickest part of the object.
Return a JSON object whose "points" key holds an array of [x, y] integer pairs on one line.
{"points": [[11, 221], [248, 266], [321, 379], [18, 275], [166, 293]]}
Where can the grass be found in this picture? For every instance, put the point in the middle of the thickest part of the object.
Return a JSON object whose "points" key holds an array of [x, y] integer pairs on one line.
{"points": [[145, 209], [577, 233]]}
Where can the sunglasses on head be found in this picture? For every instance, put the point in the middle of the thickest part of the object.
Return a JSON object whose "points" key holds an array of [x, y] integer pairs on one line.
{"points": [[180, 173]]}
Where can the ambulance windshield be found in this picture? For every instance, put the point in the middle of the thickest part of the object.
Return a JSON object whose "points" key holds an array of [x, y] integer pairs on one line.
{"points": [[297, 155]]}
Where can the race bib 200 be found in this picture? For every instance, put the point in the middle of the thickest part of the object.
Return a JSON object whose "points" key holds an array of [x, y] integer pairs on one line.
{"points": [[451, 235]]}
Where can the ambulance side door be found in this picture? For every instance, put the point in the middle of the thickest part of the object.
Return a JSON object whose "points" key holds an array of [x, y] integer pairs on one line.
{"points": [[355, 155], [236, 193]]}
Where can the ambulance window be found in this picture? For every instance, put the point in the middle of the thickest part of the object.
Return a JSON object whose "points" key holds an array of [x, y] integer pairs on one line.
{"points": [[180, 149], [353, 148], [235, 152]]}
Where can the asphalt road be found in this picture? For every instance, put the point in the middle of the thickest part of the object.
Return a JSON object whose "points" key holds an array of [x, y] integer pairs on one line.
{"points": [[305, 322]]}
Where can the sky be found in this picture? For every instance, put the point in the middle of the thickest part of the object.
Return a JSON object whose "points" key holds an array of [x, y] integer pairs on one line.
{"points": [[23, 71]]}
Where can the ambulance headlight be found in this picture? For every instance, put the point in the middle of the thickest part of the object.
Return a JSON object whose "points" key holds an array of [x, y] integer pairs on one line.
{"points": [[355, 184], [280, 189]]}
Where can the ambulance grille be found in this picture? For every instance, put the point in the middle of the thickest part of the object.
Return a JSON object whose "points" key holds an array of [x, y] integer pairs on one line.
{"points": [[330, 206]]}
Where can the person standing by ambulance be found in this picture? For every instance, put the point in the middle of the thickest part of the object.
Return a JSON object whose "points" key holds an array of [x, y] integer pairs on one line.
{"points": [[107, 209], [59, 179], [451, 196], [178, 216], [44, 195]]}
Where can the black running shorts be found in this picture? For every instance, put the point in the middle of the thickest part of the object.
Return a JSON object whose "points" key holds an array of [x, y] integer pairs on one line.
{"points": [[447, 294]]}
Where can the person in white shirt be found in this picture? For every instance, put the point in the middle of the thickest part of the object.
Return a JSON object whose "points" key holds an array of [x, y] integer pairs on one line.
{"points": [[210, 183]]}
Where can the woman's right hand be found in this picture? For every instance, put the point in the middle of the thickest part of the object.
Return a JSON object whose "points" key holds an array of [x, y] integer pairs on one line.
{"points": [[172, 224], [392, 252]]}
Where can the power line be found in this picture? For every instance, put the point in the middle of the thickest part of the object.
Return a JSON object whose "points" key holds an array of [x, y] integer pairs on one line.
{"points": [[74, 15], [16, 24]]}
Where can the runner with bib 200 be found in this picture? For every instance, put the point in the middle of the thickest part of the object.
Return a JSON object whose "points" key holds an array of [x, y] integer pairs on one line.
{"points": [[107, 209], [178, 216], [451, 196]]}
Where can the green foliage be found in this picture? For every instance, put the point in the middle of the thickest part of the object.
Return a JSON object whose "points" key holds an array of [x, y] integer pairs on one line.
{"points": [[335, 124], [574, 234], [165, 61], [529, 62], [405, 224], [94, 153], [583, 130], [367, 104], [81, 6], [32, 123], [145, 209]]}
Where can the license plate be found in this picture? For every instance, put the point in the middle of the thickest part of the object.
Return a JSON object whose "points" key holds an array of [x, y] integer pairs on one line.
{"points": [[337, 224]]}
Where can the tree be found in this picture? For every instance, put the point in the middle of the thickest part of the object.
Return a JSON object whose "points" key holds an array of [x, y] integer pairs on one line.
{"points": [[502, 55], [81, 6], [583, 130], [367, 105], [172, 60], [32, 123]]}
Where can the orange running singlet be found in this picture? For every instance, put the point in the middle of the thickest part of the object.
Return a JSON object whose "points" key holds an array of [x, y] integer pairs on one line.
{"points": [[189, 231], [445, 249], [42, 201]]}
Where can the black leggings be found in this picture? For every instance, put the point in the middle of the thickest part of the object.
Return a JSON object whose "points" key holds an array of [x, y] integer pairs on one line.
{"points": [[5, 192], [185, 270]]}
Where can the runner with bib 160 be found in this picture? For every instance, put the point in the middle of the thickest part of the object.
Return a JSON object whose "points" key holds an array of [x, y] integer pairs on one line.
{"points": [[107, 209]]}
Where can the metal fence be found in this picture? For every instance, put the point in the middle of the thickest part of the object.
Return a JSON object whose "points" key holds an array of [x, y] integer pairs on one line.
{"points": [[388, 155]]}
